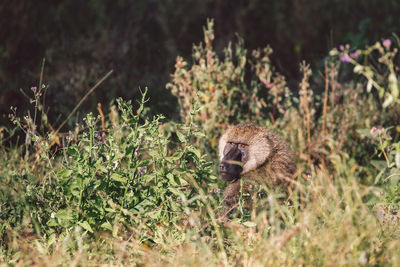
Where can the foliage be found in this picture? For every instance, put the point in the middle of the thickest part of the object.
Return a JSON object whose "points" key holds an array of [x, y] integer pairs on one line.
{"points": [[124, 177]]}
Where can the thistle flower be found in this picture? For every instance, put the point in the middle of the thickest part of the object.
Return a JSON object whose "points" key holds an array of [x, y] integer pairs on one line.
{"points": [[354, 54], [387, 43], [345, 59], [34, 88], [341, 47]]}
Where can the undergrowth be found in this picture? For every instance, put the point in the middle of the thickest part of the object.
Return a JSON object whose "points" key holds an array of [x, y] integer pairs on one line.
{"points": [[124, 188]]}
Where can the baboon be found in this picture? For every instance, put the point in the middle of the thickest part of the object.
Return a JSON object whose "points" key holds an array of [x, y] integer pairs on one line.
{"points": [[255, 154]]}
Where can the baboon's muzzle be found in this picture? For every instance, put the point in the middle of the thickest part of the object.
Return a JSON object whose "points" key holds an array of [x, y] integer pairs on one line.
{"points": [[231, 165]]}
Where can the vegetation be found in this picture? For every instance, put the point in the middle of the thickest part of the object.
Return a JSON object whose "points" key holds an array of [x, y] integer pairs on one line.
{"points": [[140, 40], [130, 188]]}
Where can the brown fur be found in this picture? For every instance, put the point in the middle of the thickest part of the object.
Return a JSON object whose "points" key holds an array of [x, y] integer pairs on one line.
{"points": [[270, 161]]}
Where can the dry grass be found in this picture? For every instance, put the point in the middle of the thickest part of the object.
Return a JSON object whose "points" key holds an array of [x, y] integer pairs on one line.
{"points": [[332, 227]]}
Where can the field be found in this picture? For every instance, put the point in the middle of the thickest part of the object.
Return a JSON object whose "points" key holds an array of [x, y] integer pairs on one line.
{"points": [[127, 187]]}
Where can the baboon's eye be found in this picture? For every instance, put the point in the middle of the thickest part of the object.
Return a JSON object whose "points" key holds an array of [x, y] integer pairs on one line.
{"points": [[232, 143], [242, 146]]}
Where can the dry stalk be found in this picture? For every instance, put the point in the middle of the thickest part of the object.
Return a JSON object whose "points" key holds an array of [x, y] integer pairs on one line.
{"points": [[305, 100], [325, 99], [103, 127]]}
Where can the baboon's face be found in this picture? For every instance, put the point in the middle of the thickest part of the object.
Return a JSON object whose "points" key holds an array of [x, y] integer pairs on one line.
{"points": [[235, 156]]}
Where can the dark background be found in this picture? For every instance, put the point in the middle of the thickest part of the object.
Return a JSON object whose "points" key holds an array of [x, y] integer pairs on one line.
{"points": [[140, 40]]}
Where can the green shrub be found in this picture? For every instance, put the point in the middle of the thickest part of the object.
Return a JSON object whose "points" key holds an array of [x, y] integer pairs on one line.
{"points": [[116, 179]]}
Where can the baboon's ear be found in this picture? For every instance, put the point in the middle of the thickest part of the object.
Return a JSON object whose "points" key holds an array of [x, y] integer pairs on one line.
{"points": [[259, 150]]}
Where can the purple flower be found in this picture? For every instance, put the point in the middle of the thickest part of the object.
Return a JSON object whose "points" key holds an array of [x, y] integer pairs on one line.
{"points": [[34, 88], [354, 54], [101, 138], [341, 47], [101, 142], [387, 43], [69, 136], [375, 131], [309, 176], [345, 59], [40, 198]]}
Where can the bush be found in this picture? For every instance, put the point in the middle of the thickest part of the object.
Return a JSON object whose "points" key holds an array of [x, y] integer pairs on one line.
{"points": [[128, 175]]}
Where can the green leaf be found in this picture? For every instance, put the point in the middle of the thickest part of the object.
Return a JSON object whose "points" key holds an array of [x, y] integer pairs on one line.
{"points": [[182, 181], [52, 222], [176, 192], [64, 173], [397, 159], [100, 165], [194, 151], [198, 133], [72, 151], [172, 179], [379, 164], [64, 218], [364, 132], [249, 224], [379, 176], [177, 155], [119, 178], [394, 88], [388, 101], [394, 176], [181, 137], [143, 163], [106, 226], [394, 180], [51, 239], [85, 225], [154, 214]]}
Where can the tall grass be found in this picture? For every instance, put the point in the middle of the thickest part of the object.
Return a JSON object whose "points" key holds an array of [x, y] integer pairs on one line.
{"points": [[124, 188]]}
